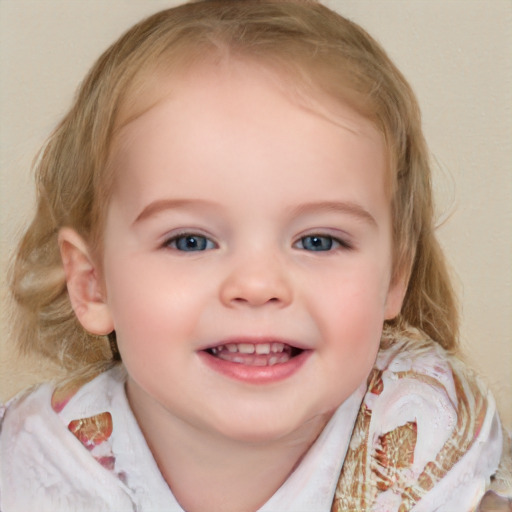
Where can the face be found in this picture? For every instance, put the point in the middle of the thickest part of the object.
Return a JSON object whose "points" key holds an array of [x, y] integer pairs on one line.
{"points": [[247, 255]]}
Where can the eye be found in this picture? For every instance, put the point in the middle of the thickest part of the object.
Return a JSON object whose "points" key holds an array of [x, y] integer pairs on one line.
{"points": [[320, 243], [190, 242]]}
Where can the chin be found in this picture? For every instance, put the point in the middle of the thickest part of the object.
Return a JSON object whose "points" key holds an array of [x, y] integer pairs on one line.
{"points": [[267, 428]]}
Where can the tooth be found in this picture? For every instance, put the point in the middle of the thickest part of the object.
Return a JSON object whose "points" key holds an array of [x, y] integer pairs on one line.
{"points": [[277, 347], [263, 348], [232, 347], [214, 350], [272, 361], [238, 360], [246, 348], [284, 357]]}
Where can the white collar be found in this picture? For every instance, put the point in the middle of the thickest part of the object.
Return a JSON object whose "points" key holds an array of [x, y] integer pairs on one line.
{"points": [[37, 442], [313, 483], [310, 487]]}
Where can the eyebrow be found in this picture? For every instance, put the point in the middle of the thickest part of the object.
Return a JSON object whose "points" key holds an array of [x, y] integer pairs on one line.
{"points": [[169, 204], [345, 207]]}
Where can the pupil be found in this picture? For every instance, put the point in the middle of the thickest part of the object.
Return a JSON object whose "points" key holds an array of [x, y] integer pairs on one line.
{"points": [[191, 243], [317, 243]]}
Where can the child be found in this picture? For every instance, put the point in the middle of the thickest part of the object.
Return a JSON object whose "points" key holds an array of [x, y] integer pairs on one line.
{"points": [[238, 208]]}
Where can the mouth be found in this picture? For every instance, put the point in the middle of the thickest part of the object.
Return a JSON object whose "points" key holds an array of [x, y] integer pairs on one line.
{"points": [[255, 362], [255, 354]]}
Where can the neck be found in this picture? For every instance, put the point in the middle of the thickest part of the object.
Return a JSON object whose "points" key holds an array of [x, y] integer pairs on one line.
{"points": [[207, 471]]}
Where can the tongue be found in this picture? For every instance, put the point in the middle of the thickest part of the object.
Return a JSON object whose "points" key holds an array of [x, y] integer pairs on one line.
{"points": [[254, 359]]}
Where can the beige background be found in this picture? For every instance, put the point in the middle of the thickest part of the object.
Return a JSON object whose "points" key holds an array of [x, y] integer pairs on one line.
{"points": [[456, 53]]}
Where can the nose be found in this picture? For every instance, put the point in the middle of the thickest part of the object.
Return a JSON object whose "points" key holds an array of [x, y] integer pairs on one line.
{"points": [[256, 281]]}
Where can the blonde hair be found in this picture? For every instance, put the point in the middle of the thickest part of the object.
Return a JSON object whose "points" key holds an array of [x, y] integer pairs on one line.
{"points": [[301, 38]]}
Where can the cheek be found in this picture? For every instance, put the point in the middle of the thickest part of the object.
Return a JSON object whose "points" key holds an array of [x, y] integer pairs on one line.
{"points": [[152, 305], [351, 315], [134, 300], [354, 297], [354, 332], [350, 348]]}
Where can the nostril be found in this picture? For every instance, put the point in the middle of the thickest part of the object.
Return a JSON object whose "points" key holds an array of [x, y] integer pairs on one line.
{"points": [[255, 301]]}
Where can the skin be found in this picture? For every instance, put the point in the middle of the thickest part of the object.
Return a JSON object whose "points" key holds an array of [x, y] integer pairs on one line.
{"points": [[255, 176]]}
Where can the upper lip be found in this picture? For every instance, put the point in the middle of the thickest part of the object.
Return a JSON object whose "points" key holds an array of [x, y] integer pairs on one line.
{"points": [[256, 340]]}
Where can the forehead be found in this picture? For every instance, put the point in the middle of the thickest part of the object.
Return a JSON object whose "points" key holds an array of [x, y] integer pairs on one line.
{"points": [[227, 75], [319, 84], [218, 125]]}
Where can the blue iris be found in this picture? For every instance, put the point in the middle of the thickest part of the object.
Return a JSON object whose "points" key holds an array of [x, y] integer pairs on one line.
{"points": [[317, 243], [190, 243]]}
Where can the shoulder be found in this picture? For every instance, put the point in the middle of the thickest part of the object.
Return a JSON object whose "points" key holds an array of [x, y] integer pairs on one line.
{"points": [[427, 432], [29, 436], [43, 463]]}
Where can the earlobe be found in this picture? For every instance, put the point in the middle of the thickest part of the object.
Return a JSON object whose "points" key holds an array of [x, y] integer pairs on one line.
{"points": [[84, 285], [395, 297]]}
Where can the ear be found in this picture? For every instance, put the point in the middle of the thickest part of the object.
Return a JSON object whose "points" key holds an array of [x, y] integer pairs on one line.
{"points": [[85, 287], [396, 295]]}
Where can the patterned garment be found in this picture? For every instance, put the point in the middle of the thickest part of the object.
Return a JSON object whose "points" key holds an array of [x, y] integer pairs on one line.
{"points": [[426, 439]]}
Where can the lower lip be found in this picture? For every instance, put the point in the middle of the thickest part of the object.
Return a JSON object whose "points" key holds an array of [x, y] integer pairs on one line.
{"points": [[256, 374]]}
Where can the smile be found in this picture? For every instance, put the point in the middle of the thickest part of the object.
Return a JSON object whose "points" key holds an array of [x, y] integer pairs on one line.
{"points": [[255, 354], [255, 363]]}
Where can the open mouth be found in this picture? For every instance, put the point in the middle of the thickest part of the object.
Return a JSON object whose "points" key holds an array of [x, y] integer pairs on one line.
{"points": [[255, 354]]}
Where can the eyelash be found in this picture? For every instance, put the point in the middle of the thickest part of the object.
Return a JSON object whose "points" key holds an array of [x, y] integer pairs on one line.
{"points": [[333, 243], [196, 242]]}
